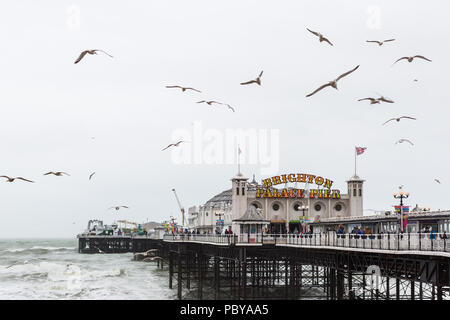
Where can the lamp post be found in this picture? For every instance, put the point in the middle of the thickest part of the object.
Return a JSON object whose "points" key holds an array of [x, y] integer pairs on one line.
{"points": [[303, 208], [401, 195]]}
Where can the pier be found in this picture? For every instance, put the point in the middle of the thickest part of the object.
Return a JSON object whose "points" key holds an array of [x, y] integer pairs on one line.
{"points": [[328, 266]]}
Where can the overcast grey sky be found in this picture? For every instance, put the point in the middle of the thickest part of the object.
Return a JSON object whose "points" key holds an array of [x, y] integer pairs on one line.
{"points": [[50, 107]]}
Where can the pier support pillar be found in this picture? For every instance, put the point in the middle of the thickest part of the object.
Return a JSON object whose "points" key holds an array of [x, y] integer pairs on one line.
{"points": [[244, 273], [170, 269], [217, 277], [200, 275], [179, 279], [340, 285], [332, 281]]}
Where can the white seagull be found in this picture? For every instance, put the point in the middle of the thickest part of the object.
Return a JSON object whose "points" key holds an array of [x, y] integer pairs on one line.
{"points": [[94, 51], [410, 59], [173, 145], [398, 119], [404, 140], [183, 88], [333, 83], [321, 37], [118, 207], [380, 43], [257, 80]]}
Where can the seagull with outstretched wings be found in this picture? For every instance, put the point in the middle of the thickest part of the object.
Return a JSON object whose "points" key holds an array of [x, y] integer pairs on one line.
{"points": [[9, 179], [118, 207], [173, 145], [209, 102], [410, 59], [321, 37], [94, 51], [58, 173], [183, 88], [437, 180], [333, 83], [399, 118], [91, 175], [404, 140], [257, 80], [380, 43]]}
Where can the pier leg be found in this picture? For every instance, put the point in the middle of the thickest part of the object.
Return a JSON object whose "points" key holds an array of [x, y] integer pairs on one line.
{"points": [[244, 273], [286, 282], [170, 270], [388, 288], [217, 276], [200, 276], [350, 285], [332, 276], [188, 272], [179, 283], [340, 285]]}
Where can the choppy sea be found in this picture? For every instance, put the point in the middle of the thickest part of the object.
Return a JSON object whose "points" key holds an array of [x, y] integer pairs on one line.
{"points": [[53, 269]]}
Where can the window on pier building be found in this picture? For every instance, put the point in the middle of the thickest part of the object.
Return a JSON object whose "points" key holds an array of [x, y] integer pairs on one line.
{"points": [[243, 192], [354, 192], [360, 192], [237, 190]]}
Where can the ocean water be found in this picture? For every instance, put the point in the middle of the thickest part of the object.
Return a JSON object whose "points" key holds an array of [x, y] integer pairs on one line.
{"points": [[53, 269]]}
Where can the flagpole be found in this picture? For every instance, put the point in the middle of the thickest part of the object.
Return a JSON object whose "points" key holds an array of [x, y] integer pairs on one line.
{"points": [[355, 161]]}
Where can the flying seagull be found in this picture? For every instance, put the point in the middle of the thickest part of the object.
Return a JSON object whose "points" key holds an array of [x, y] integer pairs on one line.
{"points": [[257, 80], [372, 100], [94, 51], [118, 207], [437, 180], [333, 83], [410, 59], [209, 102], [183, 88], [91, 175], [58, 173], [230, 107], [173, 145], [377, 100], [321, 37], [380, 43], [398, 119], [18, 178], [404, 140]]}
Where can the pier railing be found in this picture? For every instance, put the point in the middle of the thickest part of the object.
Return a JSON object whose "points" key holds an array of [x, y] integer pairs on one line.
{"points": [[397, 242]]}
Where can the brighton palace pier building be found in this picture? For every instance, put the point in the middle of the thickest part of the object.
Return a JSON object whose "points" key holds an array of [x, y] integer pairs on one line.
{"points": [[279, 204]]}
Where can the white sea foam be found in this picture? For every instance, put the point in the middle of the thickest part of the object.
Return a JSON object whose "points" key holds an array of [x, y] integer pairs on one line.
{"points": [[53, 269]]}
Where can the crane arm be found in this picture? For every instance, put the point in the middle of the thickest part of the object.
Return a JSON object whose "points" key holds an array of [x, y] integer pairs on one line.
{"points": [[179, 204]]}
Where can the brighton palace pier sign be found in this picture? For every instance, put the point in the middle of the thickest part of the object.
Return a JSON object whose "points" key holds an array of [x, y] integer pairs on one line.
{"points": [[325, 193]]}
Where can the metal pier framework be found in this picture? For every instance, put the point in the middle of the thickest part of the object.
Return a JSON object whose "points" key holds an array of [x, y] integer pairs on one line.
{"points": [[202, 270]]}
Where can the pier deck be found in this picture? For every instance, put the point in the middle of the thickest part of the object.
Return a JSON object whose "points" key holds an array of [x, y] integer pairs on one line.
{"points": [[293, 267]]}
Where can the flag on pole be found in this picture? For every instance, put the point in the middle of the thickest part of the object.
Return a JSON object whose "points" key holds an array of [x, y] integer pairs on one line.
{"points": [[239, 150], [360, 150]]}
